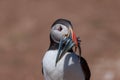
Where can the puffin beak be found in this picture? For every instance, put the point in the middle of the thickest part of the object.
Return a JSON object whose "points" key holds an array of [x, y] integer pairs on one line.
{"points": [[74, 38], [66, 44]]}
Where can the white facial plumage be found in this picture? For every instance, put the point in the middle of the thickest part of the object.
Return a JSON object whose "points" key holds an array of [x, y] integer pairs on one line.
{"points": [[59, 31]]}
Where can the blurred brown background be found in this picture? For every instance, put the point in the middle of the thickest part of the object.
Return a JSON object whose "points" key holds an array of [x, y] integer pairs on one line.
{"points": [[24, 35]]}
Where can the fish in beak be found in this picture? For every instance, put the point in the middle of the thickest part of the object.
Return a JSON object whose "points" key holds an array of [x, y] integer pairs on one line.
{"points": [[66, 44]]}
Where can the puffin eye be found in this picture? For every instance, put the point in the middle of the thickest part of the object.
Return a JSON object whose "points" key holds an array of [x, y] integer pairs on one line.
{"points": [[60, 28]]}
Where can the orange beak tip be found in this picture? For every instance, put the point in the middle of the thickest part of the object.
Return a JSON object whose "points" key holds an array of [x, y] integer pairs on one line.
{"points": [[75, 39]]}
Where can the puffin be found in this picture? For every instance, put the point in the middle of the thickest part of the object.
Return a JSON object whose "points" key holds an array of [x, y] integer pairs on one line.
{"points": [[61, 62]]}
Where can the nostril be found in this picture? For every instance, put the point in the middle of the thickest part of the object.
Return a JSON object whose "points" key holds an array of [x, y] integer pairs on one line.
{"points": [[60, 28]]}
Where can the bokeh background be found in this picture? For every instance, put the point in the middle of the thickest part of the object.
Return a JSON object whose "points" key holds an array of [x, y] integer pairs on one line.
{"points": [[25, 27]]}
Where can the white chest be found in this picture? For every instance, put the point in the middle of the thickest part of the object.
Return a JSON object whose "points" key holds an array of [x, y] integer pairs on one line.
{"points": [[68, 68]]}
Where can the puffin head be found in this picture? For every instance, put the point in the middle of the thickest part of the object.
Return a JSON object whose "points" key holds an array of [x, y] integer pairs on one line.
{"points": [[62, 34]]}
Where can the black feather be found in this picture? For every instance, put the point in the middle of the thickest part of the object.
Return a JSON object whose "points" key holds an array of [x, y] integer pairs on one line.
{"points": [[85, 68], [62, 21]]}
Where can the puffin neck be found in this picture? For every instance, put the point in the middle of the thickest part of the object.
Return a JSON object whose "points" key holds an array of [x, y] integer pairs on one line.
{"points": [[53, 44]]}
